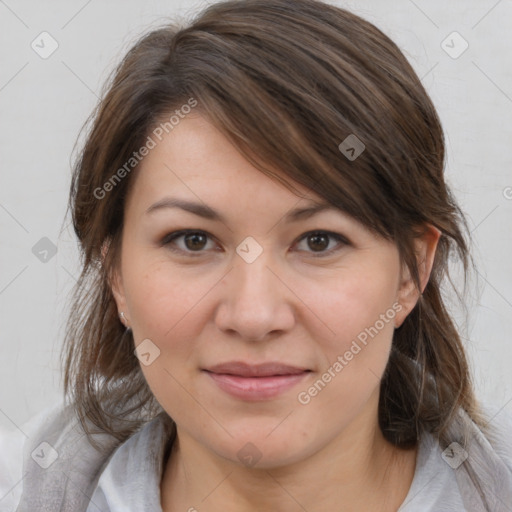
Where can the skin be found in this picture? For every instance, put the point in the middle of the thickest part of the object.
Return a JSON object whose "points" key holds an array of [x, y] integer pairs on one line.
{"points": [[295, 303]]}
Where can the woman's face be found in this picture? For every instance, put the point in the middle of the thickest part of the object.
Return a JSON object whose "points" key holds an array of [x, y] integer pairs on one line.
{"points": [[263, 342]]}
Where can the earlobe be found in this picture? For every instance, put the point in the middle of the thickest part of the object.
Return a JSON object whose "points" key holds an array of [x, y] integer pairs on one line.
{"points": [[425, 250], [114, 280], [116, 285]]}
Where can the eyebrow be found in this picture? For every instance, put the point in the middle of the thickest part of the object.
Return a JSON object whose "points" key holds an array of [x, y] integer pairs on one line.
{"points": [[207, 212]]}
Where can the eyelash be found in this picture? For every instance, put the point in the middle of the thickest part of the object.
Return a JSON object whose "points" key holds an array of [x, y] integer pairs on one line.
{"points": [[171, 237]]}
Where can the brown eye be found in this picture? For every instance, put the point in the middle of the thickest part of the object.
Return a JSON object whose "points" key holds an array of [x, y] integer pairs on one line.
{"points": [[318, 241], [322, 243], [195, 241], [188, 242]]}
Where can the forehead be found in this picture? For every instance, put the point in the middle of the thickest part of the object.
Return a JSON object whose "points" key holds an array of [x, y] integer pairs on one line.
{"points": [[195, 162]]}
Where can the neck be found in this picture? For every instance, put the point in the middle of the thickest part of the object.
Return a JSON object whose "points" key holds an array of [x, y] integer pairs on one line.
{"points": [[357, 470]]}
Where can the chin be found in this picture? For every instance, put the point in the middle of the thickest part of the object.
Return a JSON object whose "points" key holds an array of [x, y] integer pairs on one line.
{"points": [[264, 446]]}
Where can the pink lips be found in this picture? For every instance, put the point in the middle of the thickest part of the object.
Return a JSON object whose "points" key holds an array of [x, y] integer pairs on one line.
{"points": [[255, 382]]}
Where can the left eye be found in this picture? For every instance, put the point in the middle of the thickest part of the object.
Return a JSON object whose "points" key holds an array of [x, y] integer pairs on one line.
{"points": [[319, 241], [196, 242]]}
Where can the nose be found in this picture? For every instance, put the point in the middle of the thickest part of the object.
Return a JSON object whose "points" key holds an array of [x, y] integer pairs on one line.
{"points": [[256, 302]]}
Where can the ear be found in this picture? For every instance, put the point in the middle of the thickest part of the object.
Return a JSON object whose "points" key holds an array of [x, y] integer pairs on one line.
{"points": [[116, 285], [408, 293]]}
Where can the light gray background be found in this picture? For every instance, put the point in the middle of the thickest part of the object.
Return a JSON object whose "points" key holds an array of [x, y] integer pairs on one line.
{"points": [[43, 103]]}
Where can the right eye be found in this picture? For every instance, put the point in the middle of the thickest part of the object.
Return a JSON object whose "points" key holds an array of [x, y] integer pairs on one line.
{"points": [[190, 241]]}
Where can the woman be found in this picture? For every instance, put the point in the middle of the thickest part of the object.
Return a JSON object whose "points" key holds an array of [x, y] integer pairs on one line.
{"points": [[259, 325]]}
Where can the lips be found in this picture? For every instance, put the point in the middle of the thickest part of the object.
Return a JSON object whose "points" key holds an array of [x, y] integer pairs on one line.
{"points": [[242, 369], [255, 381]]}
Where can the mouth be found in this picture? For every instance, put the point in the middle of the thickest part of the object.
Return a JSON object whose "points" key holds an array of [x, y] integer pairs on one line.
{"points": [[255, 382]]}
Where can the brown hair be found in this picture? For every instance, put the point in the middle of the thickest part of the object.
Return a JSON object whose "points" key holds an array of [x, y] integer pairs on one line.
{"points": [[286, 82]]}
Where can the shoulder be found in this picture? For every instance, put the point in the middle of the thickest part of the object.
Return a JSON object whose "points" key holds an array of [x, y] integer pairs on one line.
{"points": [[485, 476], [499, 431], [434, 486], [13, 441], [51, 463], [131, 478], [47, 453], [470, 470]]}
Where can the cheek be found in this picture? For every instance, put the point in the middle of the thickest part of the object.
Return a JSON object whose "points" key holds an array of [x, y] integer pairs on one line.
{"points": [[170, 307], [355, 302], [164, 305], [359, 313], [161, 297]]}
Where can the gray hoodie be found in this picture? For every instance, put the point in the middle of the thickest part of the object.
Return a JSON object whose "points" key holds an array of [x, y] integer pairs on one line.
{"points": [[63, 472]]}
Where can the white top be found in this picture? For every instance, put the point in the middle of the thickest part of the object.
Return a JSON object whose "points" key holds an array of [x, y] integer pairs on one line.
{"points": [[130, 480]]}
